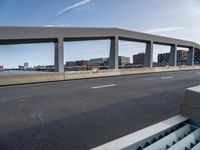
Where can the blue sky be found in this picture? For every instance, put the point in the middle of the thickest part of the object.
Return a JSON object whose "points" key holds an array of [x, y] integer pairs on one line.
{"points": [[174, 18]]}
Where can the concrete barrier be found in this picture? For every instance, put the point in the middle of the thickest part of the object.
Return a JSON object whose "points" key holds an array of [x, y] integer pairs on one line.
{"points": [[131, 71], [30, 78], [190, 106], [91, 74], [47, 77]]}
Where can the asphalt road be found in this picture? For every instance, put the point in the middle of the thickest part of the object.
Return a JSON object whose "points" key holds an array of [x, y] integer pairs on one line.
{"points": [[82, 114]]}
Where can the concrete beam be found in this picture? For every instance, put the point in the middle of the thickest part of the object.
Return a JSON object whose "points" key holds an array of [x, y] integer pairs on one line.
{"points": [[9, 34], [173, 55], [190, 59], [59, 55], [148, 61], [113, 59]]}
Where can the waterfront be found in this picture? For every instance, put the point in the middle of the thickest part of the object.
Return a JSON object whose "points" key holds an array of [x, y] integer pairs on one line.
{"points": [[14, 72]]}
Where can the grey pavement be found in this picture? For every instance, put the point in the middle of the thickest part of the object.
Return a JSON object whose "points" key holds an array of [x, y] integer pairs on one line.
{"points": [[82, 114]]}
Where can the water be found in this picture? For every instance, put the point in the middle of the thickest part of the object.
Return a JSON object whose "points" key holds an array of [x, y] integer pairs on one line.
{"points": [[14, 72]]}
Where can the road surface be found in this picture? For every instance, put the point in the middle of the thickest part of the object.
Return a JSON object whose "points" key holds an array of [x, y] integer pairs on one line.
{"points": [[82, 114]]}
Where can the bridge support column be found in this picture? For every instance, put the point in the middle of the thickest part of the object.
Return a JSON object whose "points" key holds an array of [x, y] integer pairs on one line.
{"points": [[148, 60], [113, 59], [190, 59], [59, 55], [173, 55]]}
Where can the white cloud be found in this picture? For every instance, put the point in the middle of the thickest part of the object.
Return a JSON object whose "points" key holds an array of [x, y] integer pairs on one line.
{"points": [[76, 5], [85, 7], [164, 30], [194, 10]]}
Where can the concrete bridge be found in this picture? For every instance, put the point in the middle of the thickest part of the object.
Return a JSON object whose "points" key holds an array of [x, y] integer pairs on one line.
{"points": [[70, 114], [58, 35]]}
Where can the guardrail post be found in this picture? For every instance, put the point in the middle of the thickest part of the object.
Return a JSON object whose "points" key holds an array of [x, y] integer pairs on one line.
{"points": [[173, 55], [113, 59], [190, 59], [148, 61], [59, 55]]}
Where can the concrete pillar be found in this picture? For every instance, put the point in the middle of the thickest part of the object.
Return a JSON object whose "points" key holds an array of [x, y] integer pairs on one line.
{"points": [[59, 55], [148, 60], [173, 55], [113, 59], [190, 59]]}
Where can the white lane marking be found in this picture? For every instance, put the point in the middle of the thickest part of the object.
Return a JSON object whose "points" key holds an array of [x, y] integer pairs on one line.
{"points": [[164, 78], [198, 72], [150, 79], [104, 86]]}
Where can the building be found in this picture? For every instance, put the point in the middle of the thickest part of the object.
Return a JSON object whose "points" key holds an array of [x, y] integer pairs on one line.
{"points": [[70, 63], [163, 59], [21, 67], [197, 57], [1, 68], [102, 63], [79, 65], [82, 63], [138, 59], [26, 65], [48, 68], [40, 68], [97, 62], [182, 56], [123, 61]]}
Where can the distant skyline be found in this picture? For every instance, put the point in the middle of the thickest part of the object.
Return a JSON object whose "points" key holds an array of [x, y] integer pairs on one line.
{"points": [[173, 18]]}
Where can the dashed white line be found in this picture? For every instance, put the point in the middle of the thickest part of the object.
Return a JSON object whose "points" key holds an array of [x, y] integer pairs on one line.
{"points": [[149, 79], [104, 86], [164, 78]]}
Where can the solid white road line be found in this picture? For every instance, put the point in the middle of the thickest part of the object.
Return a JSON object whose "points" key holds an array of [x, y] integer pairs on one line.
{"points": [[104, 86], [164, 78]]}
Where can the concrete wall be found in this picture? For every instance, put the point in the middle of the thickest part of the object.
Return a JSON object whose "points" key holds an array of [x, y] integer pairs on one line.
{"points": [[47, 77]]}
